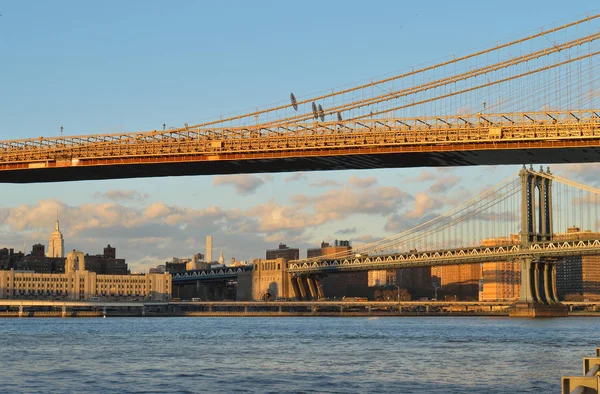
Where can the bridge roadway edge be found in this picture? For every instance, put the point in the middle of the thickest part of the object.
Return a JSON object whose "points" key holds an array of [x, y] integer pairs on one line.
{"points": [[276, 162]]}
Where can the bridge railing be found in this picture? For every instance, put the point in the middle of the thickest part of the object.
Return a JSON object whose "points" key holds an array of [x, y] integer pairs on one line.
{"points": [[479, 128], [589, 383], [454, 256]]}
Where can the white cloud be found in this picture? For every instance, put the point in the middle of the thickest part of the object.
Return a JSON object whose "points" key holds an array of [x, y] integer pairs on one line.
{"points": [[346, 231], [423, 176], [244, 184], [423, 204], [444, 184], [298, 176], [362, 182], [121, 195], [325, 183]]}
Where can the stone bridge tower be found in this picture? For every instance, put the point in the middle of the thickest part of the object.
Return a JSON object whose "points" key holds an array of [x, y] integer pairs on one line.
{"points": [[536, 205], [538, 296]]}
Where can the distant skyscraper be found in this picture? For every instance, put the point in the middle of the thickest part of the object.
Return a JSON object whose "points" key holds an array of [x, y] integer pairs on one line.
{"points": [[221, 258], [209, 248], [56, 245]]}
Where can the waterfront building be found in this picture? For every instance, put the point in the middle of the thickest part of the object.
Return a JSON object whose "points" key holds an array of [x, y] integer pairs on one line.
{"points": [[77, 283], [578, 277], [460, 281], [283, 252], [56, 244], [381, 277], [416, 280], [500, 281], [346, 284]]}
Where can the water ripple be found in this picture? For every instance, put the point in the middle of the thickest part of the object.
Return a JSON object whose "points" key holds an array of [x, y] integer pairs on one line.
{"points": [[290, 355]]}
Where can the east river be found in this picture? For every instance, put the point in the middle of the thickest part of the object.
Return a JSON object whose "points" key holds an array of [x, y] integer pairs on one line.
{"points": [[320, 354]]}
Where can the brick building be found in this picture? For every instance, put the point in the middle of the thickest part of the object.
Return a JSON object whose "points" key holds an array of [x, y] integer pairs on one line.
{"points": [[283, 252]]}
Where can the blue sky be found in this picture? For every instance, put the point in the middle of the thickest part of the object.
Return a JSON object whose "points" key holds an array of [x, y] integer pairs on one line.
{"points": [[112, 66]]}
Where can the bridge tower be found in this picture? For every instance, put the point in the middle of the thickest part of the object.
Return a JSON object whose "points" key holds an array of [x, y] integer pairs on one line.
{"points": [[538, 296], [536, 224]]}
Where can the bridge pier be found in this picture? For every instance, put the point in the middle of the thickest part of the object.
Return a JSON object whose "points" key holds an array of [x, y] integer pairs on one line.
{"points": [[143, 310], [312, 288], [64, 311], [294, 280], [537, 297], [302, 288], [20, 310], [319, 288]]}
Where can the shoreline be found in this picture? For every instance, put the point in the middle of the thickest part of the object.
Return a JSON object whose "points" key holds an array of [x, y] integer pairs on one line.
{"points": [[268, 314]]}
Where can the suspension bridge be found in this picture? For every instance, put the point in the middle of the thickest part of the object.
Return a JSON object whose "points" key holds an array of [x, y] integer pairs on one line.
{"points": [[534, 99], [523, 219]]}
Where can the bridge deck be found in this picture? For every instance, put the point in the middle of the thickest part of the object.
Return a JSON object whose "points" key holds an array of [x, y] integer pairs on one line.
{"points": [[549, 137]]}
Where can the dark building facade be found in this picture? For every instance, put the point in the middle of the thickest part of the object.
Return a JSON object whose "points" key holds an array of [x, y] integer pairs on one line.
{"points": [[327, 249], [346, 284], [8, 258], [41, 264], [107, 263], [175, 267], [283, 252], [578, 276], [416, 280], [38, 250], [110, 252]]}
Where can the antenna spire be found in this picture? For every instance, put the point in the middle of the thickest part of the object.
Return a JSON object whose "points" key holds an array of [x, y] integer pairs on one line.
{"points": [[56, 227]]}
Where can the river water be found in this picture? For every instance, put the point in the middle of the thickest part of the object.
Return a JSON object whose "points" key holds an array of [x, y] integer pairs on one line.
{"points": [[285, 354]]}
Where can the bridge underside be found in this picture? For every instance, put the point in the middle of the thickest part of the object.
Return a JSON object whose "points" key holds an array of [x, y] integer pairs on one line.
{"points": [[364, 158]]}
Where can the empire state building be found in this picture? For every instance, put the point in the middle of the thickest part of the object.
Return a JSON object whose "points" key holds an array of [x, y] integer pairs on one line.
{"points": [[56, 245]]}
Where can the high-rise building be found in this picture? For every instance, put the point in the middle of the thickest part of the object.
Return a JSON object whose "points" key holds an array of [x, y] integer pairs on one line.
{"points": [[38, 250], [110, 252], [327, 249], [209, 247], [56, 245], [283, 252], [417, 280], [382, 277], [459, 280], [107, 263], [501, 281], [578, 275], [8, 257], [346, 284]]}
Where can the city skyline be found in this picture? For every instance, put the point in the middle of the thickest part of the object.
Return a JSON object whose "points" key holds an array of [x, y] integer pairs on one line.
{"points": [[153, 220]]}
